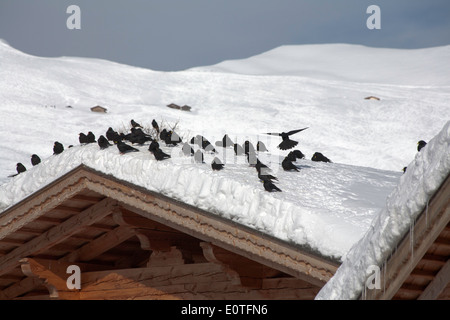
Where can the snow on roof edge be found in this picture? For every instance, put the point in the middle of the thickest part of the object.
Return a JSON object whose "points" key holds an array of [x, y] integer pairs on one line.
{"points": [[422, 179]]}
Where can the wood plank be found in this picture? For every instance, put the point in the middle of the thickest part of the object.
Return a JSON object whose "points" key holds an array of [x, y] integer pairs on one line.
{"points": [[57, 234], [440, 281], [100, 245]]}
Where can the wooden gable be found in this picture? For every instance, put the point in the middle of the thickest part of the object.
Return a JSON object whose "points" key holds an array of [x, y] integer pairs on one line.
{"points": [[130, 243]]}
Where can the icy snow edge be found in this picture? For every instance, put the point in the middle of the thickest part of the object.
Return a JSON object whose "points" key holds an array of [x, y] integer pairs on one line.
{"points": [[422, 179]]}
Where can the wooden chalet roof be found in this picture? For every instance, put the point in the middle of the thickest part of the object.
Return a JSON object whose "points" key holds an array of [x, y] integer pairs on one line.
{"points": [[131, 243], [419, 267]]}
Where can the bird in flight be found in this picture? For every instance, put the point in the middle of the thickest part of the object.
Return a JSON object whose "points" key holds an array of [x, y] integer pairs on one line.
{"points": [[287, 143]]}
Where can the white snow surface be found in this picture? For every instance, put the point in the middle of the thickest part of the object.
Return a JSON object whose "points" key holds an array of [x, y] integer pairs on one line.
{"points": [[326, 207], [424, 176]]}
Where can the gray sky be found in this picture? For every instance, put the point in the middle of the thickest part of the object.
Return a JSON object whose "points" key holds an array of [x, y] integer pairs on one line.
{"points": [[178, 34]]}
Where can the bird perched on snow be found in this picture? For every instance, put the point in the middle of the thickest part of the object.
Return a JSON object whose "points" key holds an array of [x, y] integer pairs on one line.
{"points": [[260, 146], [265, 176], [20, 168], [103, 143], [124, 148], [238, 150], [90, 137], [35, 160], [226, 142], [287, 143], [57, 148], [159, 154], [269, 186], [216, 164], [155, 126], [420, 145], [112, 135], [82, 138], [319, 157], [154, 145], [134, 124], [248, 147], [288, 165]]}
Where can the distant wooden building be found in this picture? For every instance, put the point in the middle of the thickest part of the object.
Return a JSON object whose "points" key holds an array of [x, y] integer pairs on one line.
{"points": [[175, 106], [99, 109], [372, 98], [131, 243]]}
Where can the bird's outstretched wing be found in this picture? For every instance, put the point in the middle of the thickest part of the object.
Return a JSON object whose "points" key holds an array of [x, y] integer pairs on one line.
{"points": [[295, 131], [274, 134]]}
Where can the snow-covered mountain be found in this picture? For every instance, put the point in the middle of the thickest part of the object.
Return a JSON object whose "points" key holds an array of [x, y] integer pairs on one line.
{"points": [[348, 62], [327, 207]]}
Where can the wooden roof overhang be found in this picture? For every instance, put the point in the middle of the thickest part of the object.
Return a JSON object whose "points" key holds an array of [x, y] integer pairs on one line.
{"points": [[419, 268], [131, 243]]}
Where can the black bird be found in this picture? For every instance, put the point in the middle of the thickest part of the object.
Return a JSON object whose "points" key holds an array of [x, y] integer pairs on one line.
{"points": [[20, 168], [35, 160], [216, 164], [287, 143], [137, 136], [238, 150], [269, 186], [227, 142], [198, 157], [57, 148], [159, 154], [154, 145], [187, 149], [91, 137], [155, 126], [172, 138], [420, 145], [251, 158], [83, 138], [208, 147], [261, 167], [298, 154], [319, 157], [124, 148], [163, 134], [266, 176], [134, 124], [404, 169], [248, 147], [294, 155], [288, 165], [260, 146], [112, 135], [103, 143]]}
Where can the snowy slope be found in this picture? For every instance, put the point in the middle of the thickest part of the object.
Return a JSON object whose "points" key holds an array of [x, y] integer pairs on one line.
{"points": [[422, 179], [326, 206], [354, 63]]}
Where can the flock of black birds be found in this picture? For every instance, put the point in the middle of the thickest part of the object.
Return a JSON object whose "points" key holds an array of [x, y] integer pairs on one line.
{"points": [[171, 138]]}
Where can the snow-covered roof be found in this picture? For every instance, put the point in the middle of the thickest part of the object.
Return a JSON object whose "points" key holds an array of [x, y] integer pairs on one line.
{"points": [[422, 179], [324, 206]]}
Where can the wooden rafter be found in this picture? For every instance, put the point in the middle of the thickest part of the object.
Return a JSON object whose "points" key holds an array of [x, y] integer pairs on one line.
{"points": [[57, 234]]}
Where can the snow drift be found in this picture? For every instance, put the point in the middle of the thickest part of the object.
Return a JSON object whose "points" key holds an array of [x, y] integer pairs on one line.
{"points": [[423, 177]]}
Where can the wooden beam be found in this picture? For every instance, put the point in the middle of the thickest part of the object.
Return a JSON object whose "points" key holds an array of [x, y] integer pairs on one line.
{"points": [[100, 245], [57, 234], [440, 281], [54, 275]]}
